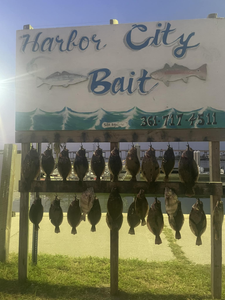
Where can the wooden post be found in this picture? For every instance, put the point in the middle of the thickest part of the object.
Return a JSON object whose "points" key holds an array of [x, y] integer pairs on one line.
{"points": [[6, 199], [216, 245], [114, 250], [24, 227]]}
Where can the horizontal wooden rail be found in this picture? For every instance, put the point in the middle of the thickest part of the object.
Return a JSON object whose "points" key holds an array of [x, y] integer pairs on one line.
{"points": [[91, 136], [201, 189]]}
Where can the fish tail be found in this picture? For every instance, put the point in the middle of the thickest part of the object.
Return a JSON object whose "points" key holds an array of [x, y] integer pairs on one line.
{"points": [[98, 179], [47, 178], [202, 72], [82, 217], [158, 240], [143, 222], [115, 178], [64, 179], [39, 81], [93, 228], [74, 230], [133, 178], [189, 191], [166, 178], [131, 231], [177, 235], [57, 230], [198, 241]]}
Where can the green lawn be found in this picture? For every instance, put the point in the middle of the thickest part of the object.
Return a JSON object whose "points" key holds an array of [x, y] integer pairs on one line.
{"points": [[62, 277]]}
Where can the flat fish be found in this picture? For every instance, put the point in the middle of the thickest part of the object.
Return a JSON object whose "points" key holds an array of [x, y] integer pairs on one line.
{"points": [[114, 204], [114, 224], [47, 163], [30, 167], [188, 170], [141, 206], [98, 163], [56, 214], [133, 218], [132, 163], [150, 167], [171, 201], [155, 221], [86, 202], [197, 221], [36, 213], [176, 221], [94, 214], [81, 164], [64, 164], [74, 215], [178, 72], [114, 164], [63, 79], [168, 162], [218, 216]]}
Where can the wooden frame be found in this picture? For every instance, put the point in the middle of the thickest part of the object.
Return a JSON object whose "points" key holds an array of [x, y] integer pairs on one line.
{"points": [[213, 188]]}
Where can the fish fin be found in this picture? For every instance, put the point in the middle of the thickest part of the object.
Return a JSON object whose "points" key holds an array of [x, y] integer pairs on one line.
{"points": [[57, 230], [131, 231], [143, 222], [166, 83], [93, 228], [166, 66], [39, 81], [185, 79], [74, 230], [198, 241], [177, 235], [158, 240]]}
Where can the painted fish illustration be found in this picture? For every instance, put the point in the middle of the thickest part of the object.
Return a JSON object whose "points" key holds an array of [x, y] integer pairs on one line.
{"points": [[178, 72], [61, 79]]}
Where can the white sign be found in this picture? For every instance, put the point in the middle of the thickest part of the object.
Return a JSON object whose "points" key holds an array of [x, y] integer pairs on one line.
{"points": [[129, 76]]}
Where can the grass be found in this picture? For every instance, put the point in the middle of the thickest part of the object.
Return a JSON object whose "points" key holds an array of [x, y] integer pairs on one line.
{"points": [[63, 277]]}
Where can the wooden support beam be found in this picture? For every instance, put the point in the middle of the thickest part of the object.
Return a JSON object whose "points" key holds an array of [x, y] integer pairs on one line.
{"points": [[216, 245], [114, 250], [6, 199], [145, 135], [202, 189], [24, 227]]}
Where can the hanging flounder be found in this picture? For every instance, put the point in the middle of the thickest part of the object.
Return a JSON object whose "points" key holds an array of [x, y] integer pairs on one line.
{"points": [[188, 170], [86, 202], [218, 215], [56, 214], [155, 221], [74, 215], [30, 166], [171, 201], [114, 204], [133, 218], [176, 221], [168, 162], [115, 164], [81, 164], [47, 163], [64, 164], [36, 212], [98, 163], [150, 167], [197, 221], [132, 163], [94, 214], [114, 224], [141, 206]]}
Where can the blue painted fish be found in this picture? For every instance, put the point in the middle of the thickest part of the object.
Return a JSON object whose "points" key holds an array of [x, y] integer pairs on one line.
{"points": [[178, 72], [61, 79]]}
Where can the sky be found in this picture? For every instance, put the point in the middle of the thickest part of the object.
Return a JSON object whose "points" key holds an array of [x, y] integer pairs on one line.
{"points": [[69, 13]]}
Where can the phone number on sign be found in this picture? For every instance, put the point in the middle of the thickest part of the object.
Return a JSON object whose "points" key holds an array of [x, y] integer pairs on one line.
{"points": [[179, 120]]}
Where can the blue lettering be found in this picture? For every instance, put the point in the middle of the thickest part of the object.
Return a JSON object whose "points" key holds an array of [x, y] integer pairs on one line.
{"points": [[71, 39], [49, 42], [84, 39], [35, 45], [117, 83], [60, 41], [94, 83], [97, 42], [142, 80], [166, 32], [137, 46], [179, 52]]}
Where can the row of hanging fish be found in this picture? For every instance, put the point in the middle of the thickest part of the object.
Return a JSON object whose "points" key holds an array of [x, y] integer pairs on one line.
{"points": [[187, 168], [89, 205]]}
